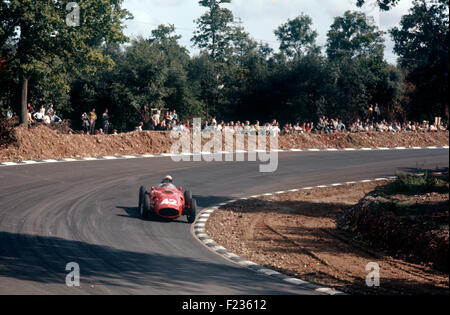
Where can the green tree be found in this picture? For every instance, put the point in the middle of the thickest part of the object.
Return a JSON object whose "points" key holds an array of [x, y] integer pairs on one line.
{"points": [[422, 42], [215, 35], [149, 73], [296, 37], [354, 35], [361, 76], [35, 35], [214, 29]]}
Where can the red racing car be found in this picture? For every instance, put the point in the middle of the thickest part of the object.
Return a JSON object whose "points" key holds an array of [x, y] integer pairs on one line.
{"points": [[167, 201]]}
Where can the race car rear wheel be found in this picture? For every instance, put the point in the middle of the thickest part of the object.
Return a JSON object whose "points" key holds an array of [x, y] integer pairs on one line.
{"points": [[143, 203], [192, 214]]}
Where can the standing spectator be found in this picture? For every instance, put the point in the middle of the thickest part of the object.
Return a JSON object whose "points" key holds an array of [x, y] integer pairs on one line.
{"points": [[105, 121], [156, 116], [370, 113], [93, 118], [437, 122], [85, 123], [50, 111], [31, 109], [377, 112], [174, 115]]}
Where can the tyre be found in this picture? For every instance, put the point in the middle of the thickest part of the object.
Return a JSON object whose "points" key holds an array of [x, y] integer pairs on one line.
{"points": [[187, 199], [141, 196], [143, 203], [192, 212]]}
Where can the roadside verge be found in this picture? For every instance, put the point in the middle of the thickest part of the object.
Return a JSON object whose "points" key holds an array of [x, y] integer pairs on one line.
{"points": [[302, 247]]}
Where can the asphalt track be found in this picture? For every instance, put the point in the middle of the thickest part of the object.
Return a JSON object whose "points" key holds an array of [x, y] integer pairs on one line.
{"points": [[85, 212]]}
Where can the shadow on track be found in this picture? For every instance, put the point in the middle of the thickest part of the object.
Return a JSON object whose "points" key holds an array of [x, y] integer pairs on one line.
{"points": [[43, 259]]}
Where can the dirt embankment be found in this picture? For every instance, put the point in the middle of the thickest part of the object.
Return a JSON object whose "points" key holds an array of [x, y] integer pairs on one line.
{"points": [[41, 142], [44, 143], [297, 234], [364, 140], [408, 217]]}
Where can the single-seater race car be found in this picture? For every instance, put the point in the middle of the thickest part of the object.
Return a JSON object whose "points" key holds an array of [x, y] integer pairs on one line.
{"points": [[167, 201]]}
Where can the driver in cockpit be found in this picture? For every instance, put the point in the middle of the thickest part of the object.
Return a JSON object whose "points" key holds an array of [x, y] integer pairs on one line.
{"points": [[167, 182]]}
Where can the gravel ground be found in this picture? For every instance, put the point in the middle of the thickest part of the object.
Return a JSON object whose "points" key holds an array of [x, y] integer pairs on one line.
{"points": [[296, 233]]}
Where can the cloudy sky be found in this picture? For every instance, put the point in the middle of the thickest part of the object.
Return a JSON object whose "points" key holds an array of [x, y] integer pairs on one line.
{"points": [[260, 17]]}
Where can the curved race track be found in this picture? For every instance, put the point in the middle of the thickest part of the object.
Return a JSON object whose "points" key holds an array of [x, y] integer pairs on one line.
{"points": [[85, 212]]}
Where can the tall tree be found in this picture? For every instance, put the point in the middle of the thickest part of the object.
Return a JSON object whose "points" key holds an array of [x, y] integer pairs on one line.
{"points": [[214, 35], [297, 37], [50, 33], [214, 29], [422, 42], [355, 48], [354, 35]]}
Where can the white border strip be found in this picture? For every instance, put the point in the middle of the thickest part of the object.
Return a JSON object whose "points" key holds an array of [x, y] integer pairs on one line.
{"points": [[145, 156]]}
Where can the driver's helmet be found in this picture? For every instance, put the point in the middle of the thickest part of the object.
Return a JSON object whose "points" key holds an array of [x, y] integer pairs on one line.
{"points": [[167, 180]]}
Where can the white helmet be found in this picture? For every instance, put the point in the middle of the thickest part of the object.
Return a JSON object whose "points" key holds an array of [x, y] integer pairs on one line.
{"points": [[168, 178]]}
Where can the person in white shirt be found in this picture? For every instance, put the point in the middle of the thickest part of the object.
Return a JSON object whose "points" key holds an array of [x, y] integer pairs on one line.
{"points": [[38, 116], [298, 128], [156, 116], [47, 120], [275, 131]]}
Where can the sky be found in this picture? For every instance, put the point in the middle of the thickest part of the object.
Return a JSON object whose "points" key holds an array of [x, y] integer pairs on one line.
{"points": [[260, 17]]}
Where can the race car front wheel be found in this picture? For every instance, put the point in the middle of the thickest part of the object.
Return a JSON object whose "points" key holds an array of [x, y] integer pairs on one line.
{"points": [[192, 214], [187, 199]]}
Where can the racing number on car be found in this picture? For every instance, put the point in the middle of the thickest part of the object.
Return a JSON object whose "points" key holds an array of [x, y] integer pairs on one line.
{"points": [[169, 202]]}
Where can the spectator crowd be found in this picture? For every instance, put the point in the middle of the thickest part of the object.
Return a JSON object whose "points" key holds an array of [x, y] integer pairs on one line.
{"points": [[373, 123], [324, 126], [89, 122], [44, 115], [157, 121]]}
